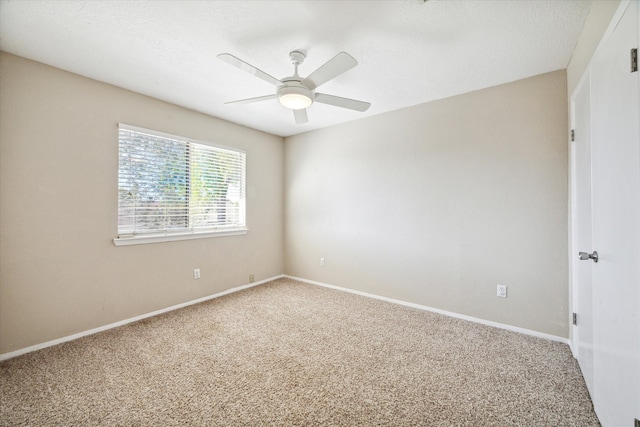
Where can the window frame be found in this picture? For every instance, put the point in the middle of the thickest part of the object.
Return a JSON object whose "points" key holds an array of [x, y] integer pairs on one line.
{"points": [[186, 234]]}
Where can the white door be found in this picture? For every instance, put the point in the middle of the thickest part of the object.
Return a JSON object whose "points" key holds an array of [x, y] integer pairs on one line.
{"points": [[581, 212], [615, 168]]}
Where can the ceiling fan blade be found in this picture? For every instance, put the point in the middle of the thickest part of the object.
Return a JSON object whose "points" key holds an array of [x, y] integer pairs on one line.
{"points": [[331, 69], [237, 62], [337, 101], [252, 100], [301, 116]]}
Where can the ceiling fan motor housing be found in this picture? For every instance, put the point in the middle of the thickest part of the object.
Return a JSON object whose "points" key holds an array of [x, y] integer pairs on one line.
{"points": [[294, 95]]}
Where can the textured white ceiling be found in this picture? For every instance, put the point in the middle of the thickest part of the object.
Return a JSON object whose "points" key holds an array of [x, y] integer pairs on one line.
{"points": [[409, 51]]}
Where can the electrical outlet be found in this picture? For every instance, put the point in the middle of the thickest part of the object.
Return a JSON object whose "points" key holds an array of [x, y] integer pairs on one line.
{"points": [[502, 291], [321, 262], [251, 278], [196, 273]]}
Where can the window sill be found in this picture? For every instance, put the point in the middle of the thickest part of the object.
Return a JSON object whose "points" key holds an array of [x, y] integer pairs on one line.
{"points": [[156, 238]]}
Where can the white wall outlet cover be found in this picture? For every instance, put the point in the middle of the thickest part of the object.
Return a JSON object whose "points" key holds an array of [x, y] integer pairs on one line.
{"points": [[196, 273], [501, 291]]}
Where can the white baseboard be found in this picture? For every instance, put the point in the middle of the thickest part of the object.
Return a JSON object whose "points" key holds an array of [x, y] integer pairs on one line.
{"points": [[436, 310], [22, 351], [25, 350]]}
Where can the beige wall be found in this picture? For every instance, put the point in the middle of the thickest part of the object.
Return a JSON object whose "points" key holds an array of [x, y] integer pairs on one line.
{"points": [[438, 203], [433, 204], [597, 22], [60, 272]]}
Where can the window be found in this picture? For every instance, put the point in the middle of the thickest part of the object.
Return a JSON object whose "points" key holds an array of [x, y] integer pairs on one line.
{"points": [[172, 188]]}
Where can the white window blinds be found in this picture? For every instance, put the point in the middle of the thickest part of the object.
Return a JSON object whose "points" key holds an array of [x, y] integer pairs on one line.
{"points": [[171, 185]]}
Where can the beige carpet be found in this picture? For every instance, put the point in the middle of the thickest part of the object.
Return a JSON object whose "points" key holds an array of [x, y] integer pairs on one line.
{"points": [[289, 353]]}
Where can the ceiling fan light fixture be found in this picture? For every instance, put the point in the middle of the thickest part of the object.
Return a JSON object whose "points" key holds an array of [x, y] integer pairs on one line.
{"points": [[295, 97], [296, 93]]}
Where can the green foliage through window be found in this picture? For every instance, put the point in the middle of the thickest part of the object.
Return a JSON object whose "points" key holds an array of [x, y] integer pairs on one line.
{"points": [[169, 185]]}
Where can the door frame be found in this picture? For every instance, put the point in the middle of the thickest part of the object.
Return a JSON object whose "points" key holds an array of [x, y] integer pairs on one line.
{"points": [[572, 248], [615, 386]]}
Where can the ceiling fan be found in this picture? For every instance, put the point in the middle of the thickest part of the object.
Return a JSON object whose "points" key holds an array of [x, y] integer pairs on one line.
{"points": [[297, 93]]}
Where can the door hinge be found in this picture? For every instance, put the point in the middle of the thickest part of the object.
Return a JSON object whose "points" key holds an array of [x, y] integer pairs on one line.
{"points": [[575, 319], [634, 60], [573, 135]]}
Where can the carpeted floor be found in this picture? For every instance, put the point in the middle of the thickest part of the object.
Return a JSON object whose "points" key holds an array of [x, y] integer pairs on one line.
{"points": [[289, 353]]}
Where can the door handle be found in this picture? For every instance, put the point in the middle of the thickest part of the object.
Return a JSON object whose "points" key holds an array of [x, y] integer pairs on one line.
{"points": [[586, 256]]}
